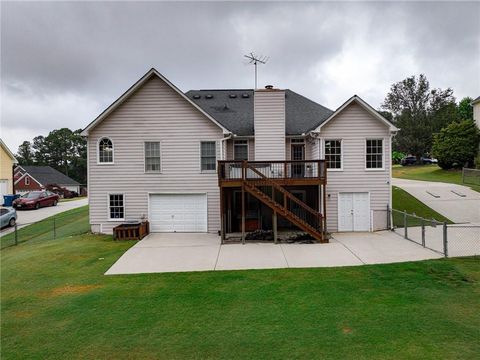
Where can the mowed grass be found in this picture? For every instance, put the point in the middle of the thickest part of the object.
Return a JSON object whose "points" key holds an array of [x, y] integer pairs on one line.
{"points": [[403, 201], [430, 173], [57, 304]]}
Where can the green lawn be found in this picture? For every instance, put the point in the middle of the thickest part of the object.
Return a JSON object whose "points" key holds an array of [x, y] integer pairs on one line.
{"points": [[403, 201], [430, 173], [56, 304]]}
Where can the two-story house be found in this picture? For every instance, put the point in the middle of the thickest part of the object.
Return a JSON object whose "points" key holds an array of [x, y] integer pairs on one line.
{"points": [[233, 161], [7, 162]]}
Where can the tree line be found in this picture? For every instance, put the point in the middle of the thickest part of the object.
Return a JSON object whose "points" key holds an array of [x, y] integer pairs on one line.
{"points": [[62, 149], [431, 122]]}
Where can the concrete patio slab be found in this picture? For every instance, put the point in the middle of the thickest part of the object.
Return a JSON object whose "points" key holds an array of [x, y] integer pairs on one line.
{"points": [[319, 255], [384, 247], [251, 256], [179, 239]]}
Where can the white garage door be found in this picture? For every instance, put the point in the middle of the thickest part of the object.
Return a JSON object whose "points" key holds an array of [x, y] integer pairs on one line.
{"points": [[353, 212], [178, 213]]}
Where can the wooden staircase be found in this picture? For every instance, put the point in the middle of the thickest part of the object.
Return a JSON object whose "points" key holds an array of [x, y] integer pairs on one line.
{"points": [[290, 207]]}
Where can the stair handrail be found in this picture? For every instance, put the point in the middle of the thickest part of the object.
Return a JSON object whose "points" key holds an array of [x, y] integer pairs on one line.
{"points": [[285, 193]]}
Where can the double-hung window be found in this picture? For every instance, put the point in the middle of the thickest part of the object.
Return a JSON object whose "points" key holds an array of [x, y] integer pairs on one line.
{"points": [[116, 207], [240, 150], [208, 156], [374, 154], [333, 154], [152, 156]]}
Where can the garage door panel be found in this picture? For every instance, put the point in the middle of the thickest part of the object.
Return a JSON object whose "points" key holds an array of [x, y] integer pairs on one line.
{"points": [[178, 212]]}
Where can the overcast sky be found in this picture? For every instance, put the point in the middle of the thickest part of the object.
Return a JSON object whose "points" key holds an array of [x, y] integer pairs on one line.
{"points": [[63, 63]]}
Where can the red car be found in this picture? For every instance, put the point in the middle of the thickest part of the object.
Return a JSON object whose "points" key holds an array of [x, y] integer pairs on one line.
{"points": [[36, 200]]}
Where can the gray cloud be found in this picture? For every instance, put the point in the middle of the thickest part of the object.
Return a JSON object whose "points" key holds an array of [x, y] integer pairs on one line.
{"points": [[63, 63]]}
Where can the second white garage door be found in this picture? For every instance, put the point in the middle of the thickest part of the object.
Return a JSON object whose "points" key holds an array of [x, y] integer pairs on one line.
{"points": [[178, 213]]}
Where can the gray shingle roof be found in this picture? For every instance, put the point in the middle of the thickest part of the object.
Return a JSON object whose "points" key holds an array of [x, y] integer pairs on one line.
{"points": [[233, 109], [48, 175]]}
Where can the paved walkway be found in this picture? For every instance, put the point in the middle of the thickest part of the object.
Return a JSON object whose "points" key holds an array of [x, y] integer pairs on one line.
{"points": [[25, 217], [456, 202], [179, 252]]}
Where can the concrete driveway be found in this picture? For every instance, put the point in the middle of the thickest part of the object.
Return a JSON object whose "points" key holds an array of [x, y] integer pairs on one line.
{"points": [[25, 217], [179, 252], [456, 202]]}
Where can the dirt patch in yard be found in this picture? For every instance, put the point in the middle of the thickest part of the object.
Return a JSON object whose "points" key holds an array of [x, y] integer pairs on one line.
{"points": [[70, 289]]}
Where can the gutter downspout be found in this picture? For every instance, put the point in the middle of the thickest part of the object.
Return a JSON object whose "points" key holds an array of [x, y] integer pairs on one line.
{"points": [[222, 155]]}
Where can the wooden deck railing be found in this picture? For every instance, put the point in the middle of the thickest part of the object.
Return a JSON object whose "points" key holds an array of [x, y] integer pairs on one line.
{"points": [[237, 170]]}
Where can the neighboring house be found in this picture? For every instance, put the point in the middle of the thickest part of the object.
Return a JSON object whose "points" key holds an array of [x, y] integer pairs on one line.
{"points": [[184, 160], [31, 178], [7, 162], [476, 111]]}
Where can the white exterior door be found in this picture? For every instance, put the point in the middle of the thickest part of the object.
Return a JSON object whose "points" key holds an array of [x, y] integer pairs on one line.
{"points": [[353, 212], [178, 213]]}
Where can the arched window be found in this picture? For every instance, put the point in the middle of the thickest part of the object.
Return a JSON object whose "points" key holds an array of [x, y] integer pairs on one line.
{"points": [[105, 151]]}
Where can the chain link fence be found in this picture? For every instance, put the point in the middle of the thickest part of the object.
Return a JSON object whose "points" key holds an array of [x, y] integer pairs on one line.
{"points": [[446, 239], [57, 226], [471, 176]]}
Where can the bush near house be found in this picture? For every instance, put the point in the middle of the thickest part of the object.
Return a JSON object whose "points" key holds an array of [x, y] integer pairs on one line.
{"points": [[456, 145]]}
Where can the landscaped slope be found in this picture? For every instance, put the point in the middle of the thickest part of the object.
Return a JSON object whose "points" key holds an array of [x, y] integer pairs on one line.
{"points": [[57, 304], [431, 173]]}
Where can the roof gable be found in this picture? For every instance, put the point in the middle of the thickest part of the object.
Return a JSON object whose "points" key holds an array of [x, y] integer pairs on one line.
{"points": [[46, 175], [365, 106], [152, 72], [8, 152]]}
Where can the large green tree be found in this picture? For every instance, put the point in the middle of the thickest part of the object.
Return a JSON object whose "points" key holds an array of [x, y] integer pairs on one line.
{"points": [[457, 144], [419, 112], [465, 109], [62, 149], [25, 154]]}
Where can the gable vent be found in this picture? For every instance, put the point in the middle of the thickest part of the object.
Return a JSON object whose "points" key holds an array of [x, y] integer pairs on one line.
{"points": [[245, 96], [209, 96], [232, 96]]}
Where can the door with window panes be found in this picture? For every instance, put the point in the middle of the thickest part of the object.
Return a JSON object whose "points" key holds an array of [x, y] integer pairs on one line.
{"points": [[298, 153]]}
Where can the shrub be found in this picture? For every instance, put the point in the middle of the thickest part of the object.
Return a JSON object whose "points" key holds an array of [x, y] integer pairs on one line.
{"points": [[456, 145], [397, 157]]}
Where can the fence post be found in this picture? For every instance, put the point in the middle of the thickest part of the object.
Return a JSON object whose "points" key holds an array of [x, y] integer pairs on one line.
{"points": [[405, 228], [463, 175], [423, 233], [54, 229], [445, 240], [16, 234]]}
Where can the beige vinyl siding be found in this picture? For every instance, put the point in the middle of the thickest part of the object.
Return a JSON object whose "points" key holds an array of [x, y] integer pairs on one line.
{"points": [[476, 113], [269, 110], [354, 125], [154, 113]]}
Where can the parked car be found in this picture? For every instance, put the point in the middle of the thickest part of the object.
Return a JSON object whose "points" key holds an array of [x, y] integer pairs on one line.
{"points": [[36, 200], [61, 191], [8, 217], [427, 160], [409, 160]]}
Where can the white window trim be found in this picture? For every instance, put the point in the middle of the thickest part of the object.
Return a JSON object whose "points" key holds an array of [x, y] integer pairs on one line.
{"points": [[108, 207], [248, 148], [161, 158], [27, 180], [98, 151], [341, 153], [365, 154], [200, 157]]}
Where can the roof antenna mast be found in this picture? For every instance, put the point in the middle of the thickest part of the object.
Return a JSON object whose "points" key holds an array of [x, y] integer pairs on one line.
{"points": [[254, 59]]}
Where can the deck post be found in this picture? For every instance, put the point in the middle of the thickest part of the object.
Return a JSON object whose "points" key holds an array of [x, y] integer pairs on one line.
{"points": [[274, 225], [244, 166], [222, 216], [324, 211]]}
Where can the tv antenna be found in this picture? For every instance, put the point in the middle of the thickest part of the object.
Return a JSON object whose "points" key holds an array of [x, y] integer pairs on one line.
{"points": [[254, 59]]}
